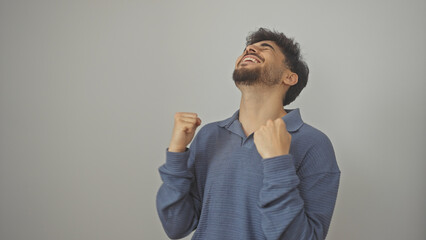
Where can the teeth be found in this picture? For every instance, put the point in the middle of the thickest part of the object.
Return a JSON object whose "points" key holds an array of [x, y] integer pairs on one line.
{"points": [[250, 59]]}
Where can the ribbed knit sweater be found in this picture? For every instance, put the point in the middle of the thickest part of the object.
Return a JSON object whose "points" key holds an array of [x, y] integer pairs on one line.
{"points": [[223, 189]]}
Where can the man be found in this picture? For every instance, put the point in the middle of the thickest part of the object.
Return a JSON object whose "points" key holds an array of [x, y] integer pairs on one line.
{"points": [[262, 173]]}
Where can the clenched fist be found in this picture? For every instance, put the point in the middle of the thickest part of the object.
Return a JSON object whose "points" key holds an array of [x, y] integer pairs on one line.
{"points": [[183, 130], [272, 139]]}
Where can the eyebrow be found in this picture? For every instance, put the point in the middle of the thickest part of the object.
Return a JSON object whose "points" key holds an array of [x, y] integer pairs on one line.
{"points": [[267, 45]]}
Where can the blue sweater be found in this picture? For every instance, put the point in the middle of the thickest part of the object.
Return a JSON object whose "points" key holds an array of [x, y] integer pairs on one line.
{"points": [[222, 188]]}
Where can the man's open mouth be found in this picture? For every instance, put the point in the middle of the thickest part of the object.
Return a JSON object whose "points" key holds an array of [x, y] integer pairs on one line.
{"points": [[250, 58]]}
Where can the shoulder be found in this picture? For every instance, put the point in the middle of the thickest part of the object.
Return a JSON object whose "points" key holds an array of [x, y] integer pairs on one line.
{"points": [[313, 136], [207, 133], [209, 129], [317, 152], [218, 126]]}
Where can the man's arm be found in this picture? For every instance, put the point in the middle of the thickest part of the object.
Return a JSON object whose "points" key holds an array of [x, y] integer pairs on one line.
{"points": [[293, 207], [296, 206], [178, 203]]}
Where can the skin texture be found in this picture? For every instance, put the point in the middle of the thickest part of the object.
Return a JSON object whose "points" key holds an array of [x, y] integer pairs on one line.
{"points": [[261, 108], [183, 131], [272, 139]]}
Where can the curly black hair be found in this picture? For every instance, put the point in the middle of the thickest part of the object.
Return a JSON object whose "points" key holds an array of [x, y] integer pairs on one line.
{"points": [[293, 58]]}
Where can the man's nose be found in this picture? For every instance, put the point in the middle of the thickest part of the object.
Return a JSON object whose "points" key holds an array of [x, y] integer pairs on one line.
{"points": [[251, 48]]}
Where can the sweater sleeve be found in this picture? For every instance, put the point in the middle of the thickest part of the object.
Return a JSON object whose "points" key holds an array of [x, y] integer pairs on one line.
{"points": [[178, 203], [299, 205]]}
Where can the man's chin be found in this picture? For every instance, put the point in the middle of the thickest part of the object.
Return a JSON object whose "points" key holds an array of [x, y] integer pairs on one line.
{"points": [[245, 76]]}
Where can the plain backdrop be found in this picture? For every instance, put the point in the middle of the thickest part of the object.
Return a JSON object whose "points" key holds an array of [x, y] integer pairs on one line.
{"points": [[88, 90]]}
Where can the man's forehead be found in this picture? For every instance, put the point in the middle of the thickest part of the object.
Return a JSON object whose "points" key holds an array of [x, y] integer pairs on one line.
{"points": [[266, 41], [269, 43]]}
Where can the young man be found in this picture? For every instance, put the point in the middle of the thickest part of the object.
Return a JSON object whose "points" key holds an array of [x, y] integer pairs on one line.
{"points": [[262, 173]]}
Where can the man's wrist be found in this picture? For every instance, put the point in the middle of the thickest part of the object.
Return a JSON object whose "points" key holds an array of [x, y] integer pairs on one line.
{"points": [[176, 149], [283, 164], [177, 161], [278, 154]]}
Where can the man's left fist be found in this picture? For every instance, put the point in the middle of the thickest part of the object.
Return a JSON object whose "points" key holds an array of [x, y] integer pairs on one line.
{"points": [[272, 139]]}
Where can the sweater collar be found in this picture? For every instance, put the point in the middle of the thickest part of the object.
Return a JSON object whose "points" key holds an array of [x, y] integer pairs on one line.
{"points": [[292, 119]]}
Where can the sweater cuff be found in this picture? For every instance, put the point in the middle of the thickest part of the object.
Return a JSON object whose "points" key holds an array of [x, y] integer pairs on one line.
{"points": [[282, 165], [177, 161]]}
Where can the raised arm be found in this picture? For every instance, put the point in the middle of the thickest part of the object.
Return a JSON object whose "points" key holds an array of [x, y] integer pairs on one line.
{"points": [[296, 205], [178, 203]]}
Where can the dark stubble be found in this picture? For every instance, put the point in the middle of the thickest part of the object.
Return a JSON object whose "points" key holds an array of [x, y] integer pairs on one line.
{"points": [[258, 75]]}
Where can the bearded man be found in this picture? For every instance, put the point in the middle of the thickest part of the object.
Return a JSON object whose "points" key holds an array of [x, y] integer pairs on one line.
{"points": [[262, 173]]}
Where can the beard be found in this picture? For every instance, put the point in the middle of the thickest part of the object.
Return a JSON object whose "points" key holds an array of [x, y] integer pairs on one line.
{"points": [[257, 76]]}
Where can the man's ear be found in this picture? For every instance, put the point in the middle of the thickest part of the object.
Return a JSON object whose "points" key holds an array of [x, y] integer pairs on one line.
{"points": [[290, 78]]}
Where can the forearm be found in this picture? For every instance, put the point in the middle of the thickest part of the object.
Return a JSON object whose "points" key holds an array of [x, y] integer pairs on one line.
{"points": [[176, 205], [294, 208]]}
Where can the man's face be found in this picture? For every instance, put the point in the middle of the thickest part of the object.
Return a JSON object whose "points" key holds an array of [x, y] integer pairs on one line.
{"points": [[260, 63]]}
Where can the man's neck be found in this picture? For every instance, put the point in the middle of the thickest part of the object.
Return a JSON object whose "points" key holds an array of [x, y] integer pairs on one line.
{"points": [[258, 104]]}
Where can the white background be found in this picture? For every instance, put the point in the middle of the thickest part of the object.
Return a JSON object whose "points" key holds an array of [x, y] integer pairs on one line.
{"points": [[88, 90]]}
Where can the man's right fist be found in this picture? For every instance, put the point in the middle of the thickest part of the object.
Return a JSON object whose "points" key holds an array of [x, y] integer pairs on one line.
{"points": [[183, 130]]}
